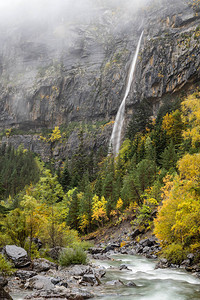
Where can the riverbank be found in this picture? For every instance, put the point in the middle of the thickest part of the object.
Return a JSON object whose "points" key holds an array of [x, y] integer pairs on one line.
{"points": [[120, 275], [115, 261]]}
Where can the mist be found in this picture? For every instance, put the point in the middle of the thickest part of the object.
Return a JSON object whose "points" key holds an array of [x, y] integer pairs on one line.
{"points": [[18, 12]]}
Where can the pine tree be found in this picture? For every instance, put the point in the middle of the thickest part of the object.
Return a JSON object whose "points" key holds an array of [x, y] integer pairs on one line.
{"points": [[169, 157], [65, 177]]}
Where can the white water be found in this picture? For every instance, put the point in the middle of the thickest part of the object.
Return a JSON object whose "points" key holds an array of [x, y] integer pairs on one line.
{"points": [[151, 283], [115, 139]]}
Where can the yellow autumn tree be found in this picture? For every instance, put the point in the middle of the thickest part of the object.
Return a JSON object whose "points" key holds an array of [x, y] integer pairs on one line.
{"points": [[99, 209], [34, 217], [173, 125], [191, 118], [56, 135], [178, 220]]}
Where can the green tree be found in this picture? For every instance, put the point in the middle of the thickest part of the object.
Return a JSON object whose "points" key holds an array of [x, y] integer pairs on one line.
{"points": [[169, 158], [49, 191]]}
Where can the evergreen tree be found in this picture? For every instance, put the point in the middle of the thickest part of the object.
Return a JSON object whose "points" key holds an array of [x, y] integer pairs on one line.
{"points": [[169, 157], [73, 214], [65, 177]]}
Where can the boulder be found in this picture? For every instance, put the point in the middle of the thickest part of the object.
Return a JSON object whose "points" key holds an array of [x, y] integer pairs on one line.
{"points": [[101, 256], [99, 271], [148, 242], [64, 283], [24, 275], [80, 270], [56, 280], [123, 251], [190, 256], [151, 256], [115, 282], [42, 265], [17, 255], [61, 293], [124, 267], [39, 282], [185, 263], [162, 264], [146, 249], [112, 247], [130, 284], [79, 294], [90, 278]]}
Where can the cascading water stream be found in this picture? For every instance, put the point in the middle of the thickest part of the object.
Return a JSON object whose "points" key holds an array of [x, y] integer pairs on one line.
{"points": [[151, 283], [115, 139]]}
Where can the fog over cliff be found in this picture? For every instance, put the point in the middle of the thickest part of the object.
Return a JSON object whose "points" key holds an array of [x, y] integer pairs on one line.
{"points": [[59, 58]]}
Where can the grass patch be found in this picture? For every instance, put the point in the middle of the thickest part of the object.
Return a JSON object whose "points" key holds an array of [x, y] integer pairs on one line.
{"points": [[70, 256]]}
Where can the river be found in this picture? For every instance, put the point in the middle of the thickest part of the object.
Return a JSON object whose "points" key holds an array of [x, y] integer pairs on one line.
{"points": [[151, 283]]}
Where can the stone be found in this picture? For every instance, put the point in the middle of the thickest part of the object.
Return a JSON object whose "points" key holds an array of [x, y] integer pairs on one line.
{"points": [[24, 275], [56, 280], [79, 294], [130, 284], [64, 283], [162, 264], [185, 263], [40, 282], [42, 265], [101, 256], [190, 256], [123, 251], [148, 242], [80, 270], [17, 255], [132, 252], [111, 247], [115, 282], [124, 267], [146, 249], [90, 278], [100, 272]]}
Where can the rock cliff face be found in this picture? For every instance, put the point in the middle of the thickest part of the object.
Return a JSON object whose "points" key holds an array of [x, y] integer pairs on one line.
{"points": [[76, 72]]}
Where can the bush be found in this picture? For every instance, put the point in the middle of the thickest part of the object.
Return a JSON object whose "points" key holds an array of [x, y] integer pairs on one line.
{"points": [[72, 256], [174, 253], [6, 268]]}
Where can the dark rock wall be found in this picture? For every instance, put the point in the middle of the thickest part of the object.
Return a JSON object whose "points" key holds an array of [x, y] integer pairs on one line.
{"points": [[69, 72]]}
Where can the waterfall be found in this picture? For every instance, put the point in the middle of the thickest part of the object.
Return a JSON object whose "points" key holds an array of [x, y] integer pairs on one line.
{"points": [[115, 139]]}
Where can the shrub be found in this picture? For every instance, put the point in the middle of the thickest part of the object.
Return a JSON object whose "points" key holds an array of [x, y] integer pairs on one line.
{"points": [[72, 256], [6, 268], [174, 253]]}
